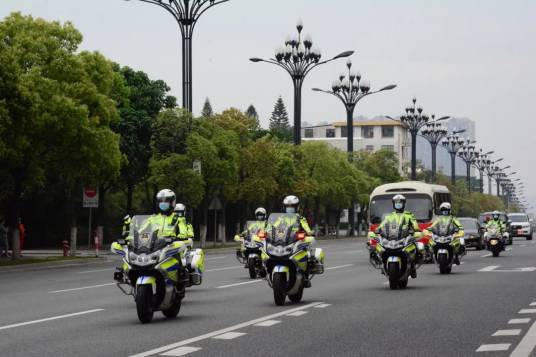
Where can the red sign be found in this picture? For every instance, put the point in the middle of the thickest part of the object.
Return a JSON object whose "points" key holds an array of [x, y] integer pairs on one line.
{"points": [[90, 198]]}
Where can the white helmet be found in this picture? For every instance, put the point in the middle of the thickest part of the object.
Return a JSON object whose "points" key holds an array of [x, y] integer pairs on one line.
{"points": [[260, 214], [180, 209], [291, 204], [399, 202], [166, 200], [445, 207]]}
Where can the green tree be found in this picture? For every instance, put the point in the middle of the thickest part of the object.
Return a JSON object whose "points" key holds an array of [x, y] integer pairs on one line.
{"points": [[146, 98], [279, 122], [382, 164], [207, 109], [56, 109], [170, 132]]}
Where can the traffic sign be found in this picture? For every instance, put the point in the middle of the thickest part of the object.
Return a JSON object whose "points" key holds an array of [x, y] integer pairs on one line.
{"points": [[90, 197]]}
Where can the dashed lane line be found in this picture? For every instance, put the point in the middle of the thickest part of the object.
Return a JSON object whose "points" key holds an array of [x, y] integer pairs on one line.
{"points": [[81, 288], [490, 268], [268, 323], [527, 311], [297, 313], [95, 271], [494, 347], [181, 351], [50, 319], [222, 331], [229, 335], [512, 332], [339, 267], [527, 344], [225, 268], [322, 306], [238, 284], [519, 321]]}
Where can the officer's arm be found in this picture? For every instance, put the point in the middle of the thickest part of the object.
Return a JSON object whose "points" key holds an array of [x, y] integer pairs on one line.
{"points": [[305, 226]]}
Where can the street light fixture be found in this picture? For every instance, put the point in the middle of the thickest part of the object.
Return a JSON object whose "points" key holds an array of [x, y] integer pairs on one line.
{"points": [[299, 57], [434, 133], [414, 120], [469, 156], [350, 88], [480, 164], [186, 13], [453, 143]]}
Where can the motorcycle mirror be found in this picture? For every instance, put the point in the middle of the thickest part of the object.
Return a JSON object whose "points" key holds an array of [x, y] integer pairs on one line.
{"points": [[122, 241], [168, 240]]}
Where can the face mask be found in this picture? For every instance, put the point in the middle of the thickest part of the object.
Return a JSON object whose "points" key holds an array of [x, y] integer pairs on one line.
{"points": [[164, 206], [291, 210], [399, 205], [445, 213]]}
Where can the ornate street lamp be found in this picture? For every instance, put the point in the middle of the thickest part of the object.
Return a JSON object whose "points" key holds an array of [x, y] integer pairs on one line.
{"points": [[453, 143], [299, 57], [350, 88], [490, 171], [414, 120], [500, 175], [480, 164], [434, 132], [186, 13], [469, 156]]}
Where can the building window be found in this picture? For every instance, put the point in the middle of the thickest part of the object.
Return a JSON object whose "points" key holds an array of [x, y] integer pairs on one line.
{"points": [[388, 147], [369, 148], [330, 133], [344, 131], [309, 133], [388, 131], [367, 132]]}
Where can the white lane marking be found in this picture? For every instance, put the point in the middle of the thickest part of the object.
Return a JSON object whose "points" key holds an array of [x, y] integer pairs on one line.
{"points": [[215, 258], [519, 321], [485, 256], [50, 319], [527, 344], [513, 332], [237, 284], [527, 311], [229, 335], [321, 306], [339, 267], [267, 323], [221, 269], [82, 288], [523, 245], [494, 347], [181, 351], [490, 268], [222, 331], [532, 304], [95, 271], [507, 249], [297, 313]]}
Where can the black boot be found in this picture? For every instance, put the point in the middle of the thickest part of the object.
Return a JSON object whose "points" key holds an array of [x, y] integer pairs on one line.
{"points": [[456, 260], [413, 272]]}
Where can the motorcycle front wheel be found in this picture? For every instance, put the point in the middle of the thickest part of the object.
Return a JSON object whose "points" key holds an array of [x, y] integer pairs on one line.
{"points": [[496, 252], [144, 306], [443, 264], [279, 285], [394, 275], [252, 269]]}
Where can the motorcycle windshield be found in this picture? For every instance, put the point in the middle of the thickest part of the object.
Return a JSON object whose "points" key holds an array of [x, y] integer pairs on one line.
{"points": [[281, 228], [394, 231], [443, 229], [253, 228], [144, 231]]}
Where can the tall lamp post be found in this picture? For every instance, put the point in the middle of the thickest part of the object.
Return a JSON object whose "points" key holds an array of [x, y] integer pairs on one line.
{"points": [[490, 171], [350, 88], [499, 175], [453, 143], [469, 156], [414, 120], [434, 132], [480, 164], [298, 57], [186, 13]]}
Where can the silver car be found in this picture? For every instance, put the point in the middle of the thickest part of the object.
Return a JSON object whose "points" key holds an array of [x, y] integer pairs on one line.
{"points": [[520, 225]]}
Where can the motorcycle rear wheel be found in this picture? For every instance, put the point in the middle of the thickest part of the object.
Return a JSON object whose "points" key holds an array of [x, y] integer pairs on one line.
{"points": [[252, 269], [144, 304], [173, 310], [394, 275], [279, 285]]}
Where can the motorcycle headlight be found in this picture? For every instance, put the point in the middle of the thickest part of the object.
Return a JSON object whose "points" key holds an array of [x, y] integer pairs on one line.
{"points": [[132, 256], [278, 250]]}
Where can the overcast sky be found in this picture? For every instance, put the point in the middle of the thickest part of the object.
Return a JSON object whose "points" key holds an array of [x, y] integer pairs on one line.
{"points": [[464, 58]]}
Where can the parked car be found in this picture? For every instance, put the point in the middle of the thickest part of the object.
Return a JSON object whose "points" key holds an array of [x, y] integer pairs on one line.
{"points": [[474, 236], [484, 217], [520, 225], [532, 220]]}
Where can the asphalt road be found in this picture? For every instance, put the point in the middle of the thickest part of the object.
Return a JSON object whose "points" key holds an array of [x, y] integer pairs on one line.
{"points": [[486, 304]]}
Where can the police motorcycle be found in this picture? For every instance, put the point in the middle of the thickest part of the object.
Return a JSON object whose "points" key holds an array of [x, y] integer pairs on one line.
{"points": [[154, 269], [446, 245], [495, 241], [397, 254], [250, 252], [288, 258]]}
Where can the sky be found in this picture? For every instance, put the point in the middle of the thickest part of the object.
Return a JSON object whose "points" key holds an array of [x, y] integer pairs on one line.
{"points": [[463, 58]]}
